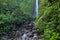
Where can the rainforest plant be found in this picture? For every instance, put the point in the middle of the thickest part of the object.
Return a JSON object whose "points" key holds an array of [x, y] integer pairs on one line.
{"points": [[14, 13], [48, 19]]}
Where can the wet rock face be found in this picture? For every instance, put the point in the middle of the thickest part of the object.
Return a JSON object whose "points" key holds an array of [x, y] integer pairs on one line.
{"points": [[25, 32]]}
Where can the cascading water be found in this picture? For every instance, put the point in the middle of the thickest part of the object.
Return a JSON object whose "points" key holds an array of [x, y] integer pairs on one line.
{"points": [[36, 9]]}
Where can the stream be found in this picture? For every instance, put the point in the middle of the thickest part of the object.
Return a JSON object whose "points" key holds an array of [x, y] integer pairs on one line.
{"points": [[25, 32]]}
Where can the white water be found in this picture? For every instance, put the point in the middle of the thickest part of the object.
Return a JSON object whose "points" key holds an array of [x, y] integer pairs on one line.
{"points": [[24, 37], [36, 7]]}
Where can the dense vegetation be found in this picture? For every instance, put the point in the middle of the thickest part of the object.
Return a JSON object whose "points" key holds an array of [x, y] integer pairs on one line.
{"points": [[14, 13], [48, 19]]}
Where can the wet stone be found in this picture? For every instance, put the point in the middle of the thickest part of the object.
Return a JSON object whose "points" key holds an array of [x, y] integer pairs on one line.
{"points": [[25, 32]]}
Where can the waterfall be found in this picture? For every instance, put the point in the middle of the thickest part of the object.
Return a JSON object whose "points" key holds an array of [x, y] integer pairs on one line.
{"points": [[36, 8]]}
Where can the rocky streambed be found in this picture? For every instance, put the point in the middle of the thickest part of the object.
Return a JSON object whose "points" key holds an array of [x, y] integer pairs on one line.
{"points": [[25, 32]]}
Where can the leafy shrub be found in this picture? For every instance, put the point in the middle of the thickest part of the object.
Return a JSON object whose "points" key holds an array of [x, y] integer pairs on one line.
{"points": [[51, 35], [48, 19], [12, 14]]}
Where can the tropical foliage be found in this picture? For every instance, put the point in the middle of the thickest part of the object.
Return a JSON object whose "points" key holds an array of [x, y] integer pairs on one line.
{"points": [[48, 19], [14, 13]]}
